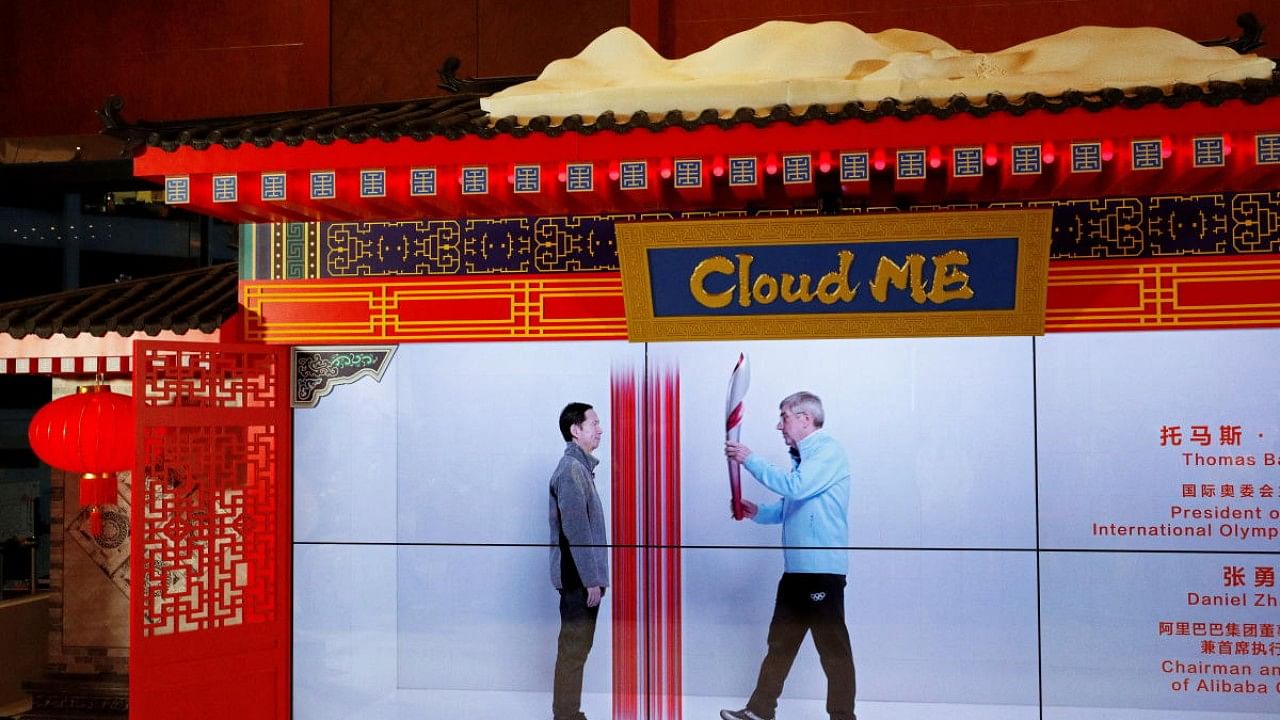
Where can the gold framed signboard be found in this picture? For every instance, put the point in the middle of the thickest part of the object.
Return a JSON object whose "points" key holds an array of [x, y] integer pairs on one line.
{"points": [[894, 275]]}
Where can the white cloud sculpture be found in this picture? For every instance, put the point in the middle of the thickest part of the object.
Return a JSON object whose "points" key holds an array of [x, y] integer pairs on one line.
{"points": [[832, 63]]}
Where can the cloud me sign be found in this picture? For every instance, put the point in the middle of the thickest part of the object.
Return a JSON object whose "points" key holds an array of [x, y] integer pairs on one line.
{"points": [[834, 278], [968, 273]]}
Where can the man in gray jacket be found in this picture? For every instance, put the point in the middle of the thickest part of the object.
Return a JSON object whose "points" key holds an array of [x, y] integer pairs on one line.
{"points": [[579, 554]]}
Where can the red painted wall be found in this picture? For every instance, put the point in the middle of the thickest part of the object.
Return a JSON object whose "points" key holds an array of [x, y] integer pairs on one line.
{"points": [[393, 49], [59, 59]]}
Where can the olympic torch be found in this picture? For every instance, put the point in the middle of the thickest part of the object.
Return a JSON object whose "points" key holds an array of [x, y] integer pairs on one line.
{"points": [[739, 381]]}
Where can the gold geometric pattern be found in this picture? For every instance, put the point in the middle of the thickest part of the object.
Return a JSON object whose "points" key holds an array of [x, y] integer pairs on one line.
{"points": [[455, 247], [1195, 221], [1255, 219], [1185, 294], [486, 251], [560, 244], [1112, 223], [1109, 227], [426, 247], [578, 306], [1081, 295]]}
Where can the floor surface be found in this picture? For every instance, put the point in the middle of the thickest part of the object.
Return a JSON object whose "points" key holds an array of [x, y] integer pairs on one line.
{"points": [[492, 705]]}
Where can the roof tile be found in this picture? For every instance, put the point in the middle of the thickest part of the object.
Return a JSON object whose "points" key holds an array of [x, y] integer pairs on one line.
{"points": [[200, 299]]}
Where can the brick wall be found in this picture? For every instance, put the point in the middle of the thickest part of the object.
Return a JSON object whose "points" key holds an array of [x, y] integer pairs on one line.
{"points": [[88, 628]]}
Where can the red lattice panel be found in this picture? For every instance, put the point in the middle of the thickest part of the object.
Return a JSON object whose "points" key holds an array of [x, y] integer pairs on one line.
{"points": [[210, 556], [205, 378], [209, 528]]}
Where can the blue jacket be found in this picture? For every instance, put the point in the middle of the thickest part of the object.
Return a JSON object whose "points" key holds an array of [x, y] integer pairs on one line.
{"points": [[814, 510]]}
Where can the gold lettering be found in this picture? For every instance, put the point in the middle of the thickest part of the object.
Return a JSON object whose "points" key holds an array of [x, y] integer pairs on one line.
{"points": [[744, 277], [719, 265], [765, 289], [800, 294], [835, 285], [890, 273], [945, 273]]}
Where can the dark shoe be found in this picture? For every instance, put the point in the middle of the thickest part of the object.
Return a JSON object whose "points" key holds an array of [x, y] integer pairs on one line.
{"points": [[743, 714]]}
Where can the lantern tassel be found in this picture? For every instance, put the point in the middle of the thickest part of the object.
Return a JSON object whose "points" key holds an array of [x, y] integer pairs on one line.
{"points": [[96, 490]]}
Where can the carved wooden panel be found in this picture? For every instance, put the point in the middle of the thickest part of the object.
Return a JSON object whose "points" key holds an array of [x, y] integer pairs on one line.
{"points": [[210, 611]]}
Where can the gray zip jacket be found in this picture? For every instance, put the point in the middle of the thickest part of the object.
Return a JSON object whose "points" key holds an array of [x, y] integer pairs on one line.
{"points": [[575, 509]]}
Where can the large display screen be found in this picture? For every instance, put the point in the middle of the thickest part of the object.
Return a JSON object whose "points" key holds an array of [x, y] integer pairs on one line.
{"points": [[1075, 526]]}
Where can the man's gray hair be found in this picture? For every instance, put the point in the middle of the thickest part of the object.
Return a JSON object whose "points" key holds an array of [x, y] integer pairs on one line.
{"points": [[804, 402]]}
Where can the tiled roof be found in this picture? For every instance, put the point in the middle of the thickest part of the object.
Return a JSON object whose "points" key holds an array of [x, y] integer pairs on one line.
{"points": [[459, 114], [452, 116], [200, 299]]}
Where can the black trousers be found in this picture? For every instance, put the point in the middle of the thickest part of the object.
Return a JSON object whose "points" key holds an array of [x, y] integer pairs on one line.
{"points": [[577, 633], [808, 602]]}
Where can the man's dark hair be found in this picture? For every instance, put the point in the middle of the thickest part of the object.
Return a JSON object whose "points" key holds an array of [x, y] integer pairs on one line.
{"points": [[575, 413]]}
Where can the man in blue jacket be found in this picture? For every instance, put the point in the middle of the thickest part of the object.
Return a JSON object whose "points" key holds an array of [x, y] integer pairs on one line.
{"points": [[579, 554], [814, 512]]}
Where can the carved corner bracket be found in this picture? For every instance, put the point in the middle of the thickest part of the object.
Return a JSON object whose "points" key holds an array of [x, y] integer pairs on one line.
{"points": [[318, 370]]}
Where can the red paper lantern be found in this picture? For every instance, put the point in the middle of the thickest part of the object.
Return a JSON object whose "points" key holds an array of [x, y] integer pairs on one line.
{"points": [[90, 433]]}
